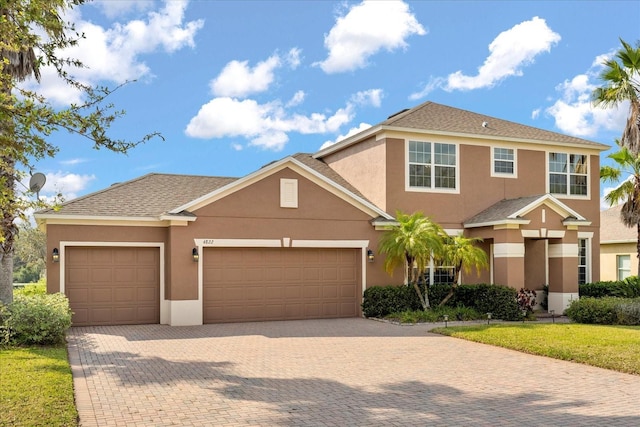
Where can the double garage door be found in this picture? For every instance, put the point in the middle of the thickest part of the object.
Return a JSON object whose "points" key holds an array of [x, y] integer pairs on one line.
{"points": [[113, 285], [255, 284]]}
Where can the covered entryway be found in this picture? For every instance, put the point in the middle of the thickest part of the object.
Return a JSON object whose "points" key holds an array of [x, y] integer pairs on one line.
{"points": [[256, 284], [113, 285]]}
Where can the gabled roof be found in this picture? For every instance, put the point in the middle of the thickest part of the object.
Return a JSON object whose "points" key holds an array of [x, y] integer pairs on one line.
{"points": [[311, 168], [166, 196], [612, 230], [430, 117], [513, 211]]}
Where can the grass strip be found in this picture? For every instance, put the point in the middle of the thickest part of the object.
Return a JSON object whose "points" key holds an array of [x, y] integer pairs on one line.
{"points": [[36, 387], [610, 347]]}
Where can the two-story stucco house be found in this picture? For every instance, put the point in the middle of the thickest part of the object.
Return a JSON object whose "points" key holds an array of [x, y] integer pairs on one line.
{"points": [[298, 238]]}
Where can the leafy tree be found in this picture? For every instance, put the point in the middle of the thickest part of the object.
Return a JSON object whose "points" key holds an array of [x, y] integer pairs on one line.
{"points": [[30, 253], [411, 244], [32, 32], [621, 79], [462, 254], [627, 164]]}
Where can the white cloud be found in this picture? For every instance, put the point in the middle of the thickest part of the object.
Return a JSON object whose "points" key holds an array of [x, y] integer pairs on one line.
{"points": [[297, 99], [237, 79], [371, 97], [72, 162], [573, 111], [113, 54], [264, 125], [535, 113], [293, 58], [352, 131], [509, 52], [67, 184], [366, 29]]}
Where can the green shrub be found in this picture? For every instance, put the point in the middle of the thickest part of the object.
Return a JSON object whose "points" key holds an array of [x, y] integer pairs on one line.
{"points": [[627, 288], [599, 311], [628, 313], [500, 301], [30, 289], [37, 319], [378, 301]]}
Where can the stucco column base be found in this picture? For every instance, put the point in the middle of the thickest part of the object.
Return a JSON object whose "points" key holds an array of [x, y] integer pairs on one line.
{"points": [[559, 301], [181, 313]]}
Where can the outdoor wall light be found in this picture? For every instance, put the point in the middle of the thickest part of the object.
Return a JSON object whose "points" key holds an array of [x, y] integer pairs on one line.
{"points": [[195, 255], [55, 255], [370, 255]]}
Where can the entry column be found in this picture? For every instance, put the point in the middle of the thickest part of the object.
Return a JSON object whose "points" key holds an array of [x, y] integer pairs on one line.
{"points": [[508, 258], [563, 272]]}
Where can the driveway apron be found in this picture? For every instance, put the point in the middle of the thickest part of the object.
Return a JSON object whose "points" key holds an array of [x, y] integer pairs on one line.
{"points": [[340, 372]]}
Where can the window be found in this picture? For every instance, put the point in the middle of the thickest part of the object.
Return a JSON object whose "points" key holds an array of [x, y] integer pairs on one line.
{"points": [[624, 266], [504, 162], [582, 262], [568, 174], [441, 275], [432, 165]]}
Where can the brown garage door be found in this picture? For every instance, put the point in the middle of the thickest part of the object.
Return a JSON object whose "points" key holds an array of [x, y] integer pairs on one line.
{"points": [[242, 285], [113, 285]]}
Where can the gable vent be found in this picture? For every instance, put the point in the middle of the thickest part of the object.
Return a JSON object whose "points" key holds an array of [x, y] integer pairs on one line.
{"points": [[288, 193]]}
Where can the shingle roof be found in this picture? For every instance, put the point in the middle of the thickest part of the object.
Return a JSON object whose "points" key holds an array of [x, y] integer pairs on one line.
{"points": [[502, 210], [612, 229], [148, 196], [442, 118]]}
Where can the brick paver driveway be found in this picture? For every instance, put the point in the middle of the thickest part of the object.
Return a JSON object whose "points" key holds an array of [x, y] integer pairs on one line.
{"points": [[347, 372]]}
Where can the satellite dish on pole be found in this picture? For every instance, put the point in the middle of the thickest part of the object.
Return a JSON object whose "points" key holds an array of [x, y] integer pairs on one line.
{"points": [[37, 182]]}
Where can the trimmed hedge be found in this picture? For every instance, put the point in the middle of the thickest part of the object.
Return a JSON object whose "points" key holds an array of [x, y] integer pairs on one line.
{"points": [[500, 301], [627, 288], [605, 311]]}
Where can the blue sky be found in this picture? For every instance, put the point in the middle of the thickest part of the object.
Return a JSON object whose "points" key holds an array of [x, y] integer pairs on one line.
{"points": [[234, 85]]}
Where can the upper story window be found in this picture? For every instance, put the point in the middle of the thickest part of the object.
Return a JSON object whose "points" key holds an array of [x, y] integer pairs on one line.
{"points": [[568, 174], [503, 162], [432, 165]]}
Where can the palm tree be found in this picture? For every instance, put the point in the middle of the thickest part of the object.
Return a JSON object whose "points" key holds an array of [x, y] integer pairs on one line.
{"points": [[462, 254], [411, 244], [628, 192], [621, 78]]}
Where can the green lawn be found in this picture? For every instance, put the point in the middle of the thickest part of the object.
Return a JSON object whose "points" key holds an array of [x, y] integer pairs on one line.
{"points": [[36, 387], [609, 347]]}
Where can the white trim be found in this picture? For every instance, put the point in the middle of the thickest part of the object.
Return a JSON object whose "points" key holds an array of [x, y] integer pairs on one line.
{"points": [[563, 250], [165, 312], [531, 234], [585, 234], [588, 256], [552, 202], [508, 250], [454, 231], [491, 264], [499, 222], [555, 234], [546, 261], [493, 165], [432, 189]]}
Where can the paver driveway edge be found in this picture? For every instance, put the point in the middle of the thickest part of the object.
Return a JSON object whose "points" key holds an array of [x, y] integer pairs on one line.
{"points": [[81, 394]]}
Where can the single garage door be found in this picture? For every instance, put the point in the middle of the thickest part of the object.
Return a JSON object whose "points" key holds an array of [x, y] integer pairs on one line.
{"points": [[243, 285], [113, 285]]}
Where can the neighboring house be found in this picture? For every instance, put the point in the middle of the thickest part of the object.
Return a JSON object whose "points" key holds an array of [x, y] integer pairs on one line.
{"points": [[298, 238], [618, 246]]}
